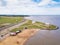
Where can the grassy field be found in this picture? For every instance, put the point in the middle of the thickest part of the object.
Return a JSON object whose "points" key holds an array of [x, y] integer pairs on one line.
{"points": [[9, 20], [36, 25]]}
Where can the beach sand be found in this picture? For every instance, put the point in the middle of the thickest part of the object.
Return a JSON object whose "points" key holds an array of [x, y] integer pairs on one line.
{"points": [[19, 39]]}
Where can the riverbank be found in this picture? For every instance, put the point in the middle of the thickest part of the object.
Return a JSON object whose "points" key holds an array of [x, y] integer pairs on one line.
{"points": [[36, 25], [19, 39]]}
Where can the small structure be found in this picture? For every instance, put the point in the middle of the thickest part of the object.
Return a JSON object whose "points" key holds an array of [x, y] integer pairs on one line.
{"points": [[27, 17], [25, 28], [2, 35], [47, 24], [33, 22]]}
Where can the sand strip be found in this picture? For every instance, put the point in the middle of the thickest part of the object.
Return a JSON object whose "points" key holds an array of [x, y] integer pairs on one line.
{"points": [[19, 39]]}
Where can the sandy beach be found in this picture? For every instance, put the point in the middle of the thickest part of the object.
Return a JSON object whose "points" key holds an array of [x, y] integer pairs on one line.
{"points": [[19, 39]]}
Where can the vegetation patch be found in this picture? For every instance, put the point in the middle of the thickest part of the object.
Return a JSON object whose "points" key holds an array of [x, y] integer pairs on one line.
{"points": [[36, 25], [4, 20]]}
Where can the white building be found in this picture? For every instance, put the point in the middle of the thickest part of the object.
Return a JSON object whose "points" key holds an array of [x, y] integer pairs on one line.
{"points": [[33, 22]]}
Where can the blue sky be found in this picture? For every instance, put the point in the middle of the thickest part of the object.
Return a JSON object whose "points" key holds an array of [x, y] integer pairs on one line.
{"points": [[57, 0], [30, 7], [37, 1]]}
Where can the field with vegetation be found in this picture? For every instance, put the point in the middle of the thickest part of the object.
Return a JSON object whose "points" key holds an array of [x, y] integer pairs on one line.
{"points": [[5, 20], [36, 25]]}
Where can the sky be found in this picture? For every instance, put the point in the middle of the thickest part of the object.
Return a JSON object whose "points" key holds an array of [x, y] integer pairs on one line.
{"points": [[30, 7]]}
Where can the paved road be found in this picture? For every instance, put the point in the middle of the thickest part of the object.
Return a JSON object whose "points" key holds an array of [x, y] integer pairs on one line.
{"points": [[6, 31], [7, 26]]}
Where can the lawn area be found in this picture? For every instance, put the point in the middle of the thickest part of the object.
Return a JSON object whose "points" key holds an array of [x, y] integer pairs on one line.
{"points": [[10, 20], [46, 26], [36, 25]]}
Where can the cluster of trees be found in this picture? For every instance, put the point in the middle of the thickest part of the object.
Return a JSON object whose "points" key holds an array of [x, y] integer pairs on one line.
{"points": [[15, 15]]}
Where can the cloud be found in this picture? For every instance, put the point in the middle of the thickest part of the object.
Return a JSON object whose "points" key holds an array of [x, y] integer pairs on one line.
{"points": [[44, 2], [28, 7]]}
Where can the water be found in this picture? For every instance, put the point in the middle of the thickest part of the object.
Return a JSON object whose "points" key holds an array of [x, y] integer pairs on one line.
{"points": [[46, 37]]}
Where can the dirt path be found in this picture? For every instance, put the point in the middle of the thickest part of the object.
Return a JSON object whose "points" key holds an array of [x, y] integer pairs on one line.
{"points": [[19, 39]]}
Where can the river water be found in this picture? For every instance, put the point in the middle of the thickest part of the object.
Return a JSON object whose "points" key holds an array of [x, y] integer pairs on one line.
{"points": [[46, 37]]}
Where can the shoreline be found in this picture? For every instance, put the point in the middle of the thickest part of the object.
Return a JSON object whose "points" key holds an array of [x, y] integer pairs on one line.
{"points": [[30, 37], [35, 30], [21, 37]]}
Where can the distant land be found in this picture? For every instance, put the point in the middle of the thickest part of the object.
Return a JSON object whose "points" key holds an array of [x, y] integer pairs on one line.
{"points": [[16, 15]]}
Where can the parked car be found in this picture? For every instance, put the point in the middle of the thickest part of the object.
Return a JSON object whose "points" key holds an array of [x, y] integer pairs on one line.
{"points": [[18, 31], [13, 33]]}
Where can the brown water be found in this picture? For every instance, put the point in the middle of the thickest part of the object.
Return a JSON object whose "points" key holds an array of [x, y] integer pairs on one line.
{"points": [[46, 37]]}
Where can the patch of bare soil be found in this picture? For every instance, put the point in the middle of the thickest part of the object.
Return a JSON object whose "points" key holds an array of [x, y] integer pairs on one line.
{"points": [[19, 39]]}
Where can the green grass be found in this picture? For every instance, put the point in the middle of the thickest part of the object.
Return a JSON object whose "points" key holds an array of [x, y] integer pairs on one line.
{"points": [[36, 25], [52, 27], [14, 30], [10, 20]]}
